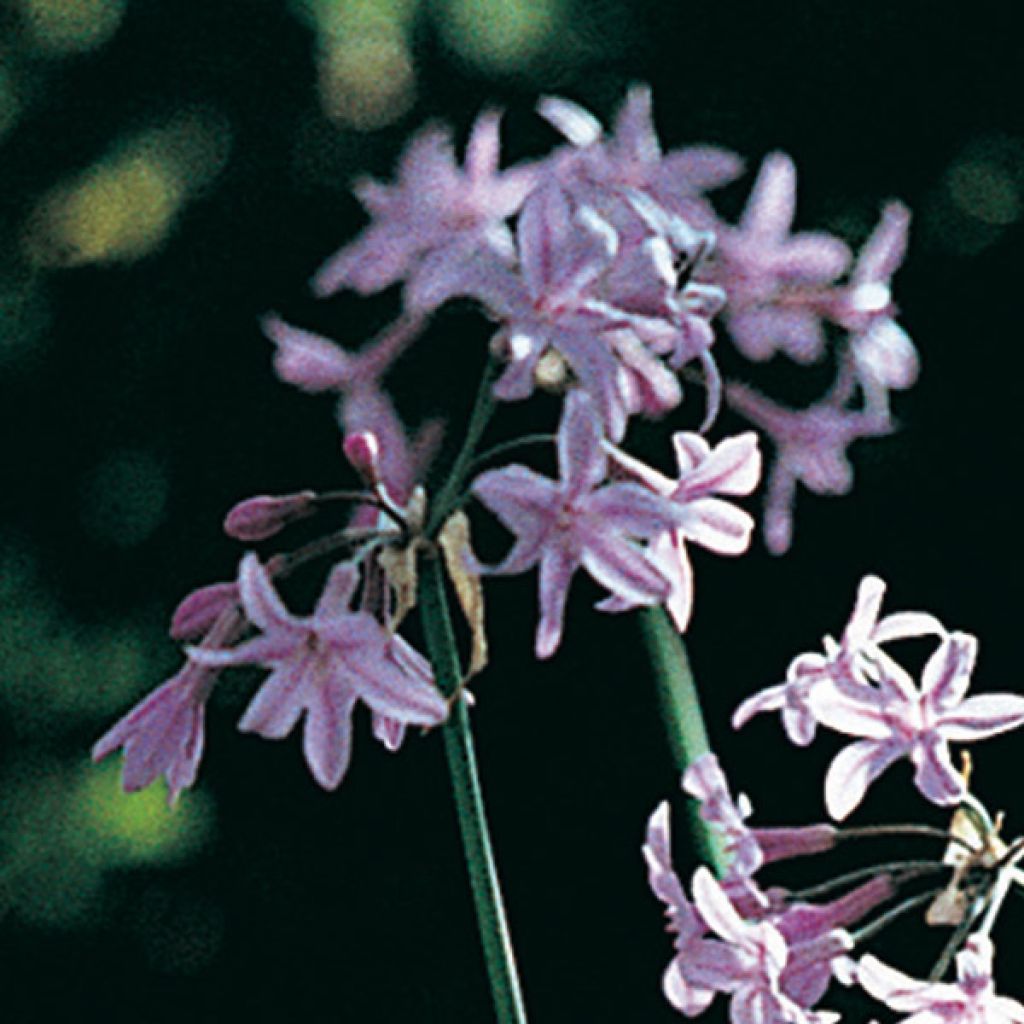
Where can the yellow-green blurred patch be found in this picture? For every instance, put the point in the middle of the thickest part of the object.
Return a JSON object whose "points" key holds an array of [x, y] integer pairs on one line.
{"points": [[113, 827], [126, 205], [501, 35], [62, 827], [60, 27]]}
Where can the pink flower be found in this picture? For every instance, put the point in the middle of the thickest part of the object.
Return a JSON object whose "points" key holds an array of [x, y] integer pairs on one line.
{"points": [[683, 921], [810, 449], [881, 355], [572, 522], [435, 208], [264, 516], [748, 963], [705, 781], [321, 665], [733, 466], [163, 735], [773, 278], [899, 720], [843, 665], [972, 1000], [632, 157]]}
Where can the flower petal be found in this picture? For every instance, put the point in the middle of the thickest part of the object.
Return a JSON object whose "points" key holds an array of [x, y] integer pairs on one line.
{"points": [[854, 769]]}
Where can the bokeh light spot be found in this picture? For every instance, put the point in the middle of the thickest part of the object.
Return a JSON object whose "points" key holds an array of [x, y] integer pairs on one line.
{"points": [[113, 827], [368, 81], [986, 191], [503, 35], [71, 26], [125, 498]]}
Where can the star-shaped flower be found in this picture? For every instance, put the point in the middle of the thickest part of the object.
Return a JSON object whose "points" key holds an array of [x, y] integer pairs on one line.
{"points": [[564, 524], [732, 467], [321, 665], [971, 1000], [435, 207], [810, 447], [896, 719], [842, 665]]}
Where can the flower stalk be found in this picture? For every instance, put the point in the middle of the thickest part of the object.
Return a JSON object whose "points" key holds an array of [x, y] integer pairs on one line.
{"points": [[469, 803], [681, 712]]}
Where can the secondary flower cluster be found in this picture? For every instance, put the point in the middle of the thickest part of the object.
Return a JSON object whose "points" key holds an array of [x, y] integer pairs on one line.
{"points": [[606, 258], [602, 266], [774, 951]]}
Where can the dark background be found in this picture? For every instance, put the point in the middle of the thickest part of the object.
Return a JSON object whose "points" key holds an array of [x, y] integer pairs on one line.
{"points": [[137, 404]]}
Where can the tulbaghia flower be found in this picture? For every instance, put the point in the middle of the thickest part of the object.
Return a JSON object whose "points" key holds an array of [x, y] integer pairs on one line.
{"points": [[881, 355], [266, 515], [845, 665], [563, 524], [631, 156], [434, 208], [899, 720], [705, 781], [810, 449], [972, 1000], [321, 665], [683, 921], [772, 277], [748, 963], [733, 466], [163, 735]]}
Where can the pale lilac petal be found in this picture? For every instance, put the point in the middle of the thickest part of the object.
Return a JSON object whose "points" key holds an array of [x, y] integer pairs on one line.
{"points": [[772, 203], [262, 605], [898, 990], [860, 628], [885, 353], [265, 649], [307, 360], [906, 625], [668, 554], [337, 594], [327, 735], [556, 570], [732, 467], [389, 731], [717, 910], [544, 227], [935, 776], [690, 1000], [947, 673], [979, 717], [483, 147], [622, 568], [717, 525], [579, 126], [277, 704], [197, 613], [516, 494], [813, 255], [853, 769], [632, 509], [700, 168], [582, 463], [838, 711], [773, 698], [391, 692], [883, 252]]}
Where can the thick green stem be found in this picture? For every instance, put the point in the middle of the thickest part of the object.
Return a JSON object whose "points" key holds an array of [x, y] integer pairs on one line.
{"points": [[469, 803], [681, 712]]}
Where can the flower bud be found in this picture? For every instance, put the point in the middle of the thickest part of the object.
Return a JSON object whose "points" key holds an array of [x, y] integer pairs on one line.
{"points": [[261, 517], [362, 449], [198, 611]]}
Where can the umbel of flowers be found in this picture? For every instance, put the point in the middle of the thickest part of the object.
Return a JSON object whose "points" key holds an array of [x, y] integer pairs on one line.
{"points": [[774, 951], [599, 270]]}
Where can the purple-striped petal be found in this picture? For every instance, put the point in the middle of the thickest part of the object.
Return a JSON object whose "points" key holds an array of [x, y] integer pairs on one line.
{"points": [[854, 769]]}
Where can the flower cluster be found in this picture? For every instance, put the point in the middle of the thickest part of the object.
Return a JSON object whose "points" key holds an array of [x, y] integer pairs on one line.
{"points": [[775, 951], [600, 268]]}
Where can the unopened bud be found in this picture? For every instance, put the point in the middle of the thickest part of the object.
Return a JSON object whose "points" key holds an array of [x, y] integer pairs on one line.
{"points": [[362, 450], [197, 613], [261, 517]]}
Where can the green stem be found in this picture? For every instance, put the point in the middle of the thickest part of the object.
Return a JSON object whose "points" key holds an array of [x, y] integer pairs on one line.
{"points": [[469, 803], [449, 495], [681, 712]]}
